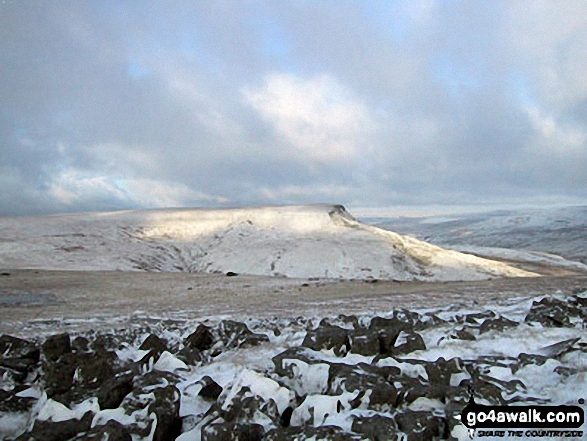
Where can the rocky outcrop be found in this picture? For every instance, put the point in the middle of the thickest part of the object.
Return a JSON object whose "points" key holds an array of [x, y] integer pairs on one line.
{"points": [[343, 378]]}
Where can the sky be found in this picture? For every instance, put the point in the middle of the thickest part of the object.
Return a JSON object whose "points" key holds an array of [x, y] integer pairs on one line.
{"points": [[109, 105]]}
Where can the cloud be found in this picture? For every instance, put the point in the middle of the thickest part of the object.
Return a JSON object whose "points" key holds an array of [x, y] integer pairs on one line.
{"points": [[317, 116], [114, 105], [74, 188]]}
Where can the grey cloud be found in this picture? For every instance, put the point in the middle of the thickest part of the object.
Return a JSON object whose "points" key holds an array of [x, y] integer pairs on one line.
{"points": [[116, 91]]}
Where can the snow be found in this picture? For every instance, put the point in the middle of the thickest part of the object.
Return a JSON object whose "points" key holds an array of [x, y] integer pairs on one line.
{"points": [[246, 367], [262, 386], [294, 241], [561, 231], [522, 256], [170, 363]]}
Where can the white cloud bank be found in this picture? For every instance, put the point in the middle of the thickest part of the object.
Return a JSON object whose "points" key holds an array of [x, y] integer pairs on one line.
{"points": [[319, 118]]}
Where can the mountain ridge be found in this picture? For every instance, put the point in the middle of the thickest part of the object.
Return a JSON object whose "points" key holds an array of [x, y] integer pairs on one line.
{"points": [[322, 240]]}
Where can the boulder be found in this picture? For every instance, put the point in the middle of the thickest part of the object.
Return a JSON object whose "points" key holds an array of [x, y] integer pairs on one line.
{"points": [[328, 337], [376, 428], [56, 345], [201, 339]]}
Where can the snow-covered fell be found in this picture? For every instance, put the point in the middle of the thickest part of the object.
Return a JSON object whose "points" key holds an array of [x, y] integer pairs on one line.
{"points": [[560, 231], [292, 241]]}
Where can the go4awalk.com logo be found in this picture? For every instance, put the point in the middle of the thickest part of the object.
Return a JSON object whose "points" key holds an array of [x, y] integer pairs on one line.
{"points": [[524, 421]]}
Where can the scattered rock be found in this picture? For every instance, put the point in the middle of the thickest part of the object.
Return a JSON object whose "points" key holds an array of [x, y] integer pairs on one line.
{"points": [[155, 344], [407, 342], [328, 337], [553, 312], [357, 368], [422, 425], [378, 391], [236, 334], [111, 431], [323, 433], [80, 344], [497, 324], [201, 339], [364, 342], [58, 431], [463, 334], [376, 428], [190, 356], [166, 410], [113, 390], [210, 390], [56, 345]]}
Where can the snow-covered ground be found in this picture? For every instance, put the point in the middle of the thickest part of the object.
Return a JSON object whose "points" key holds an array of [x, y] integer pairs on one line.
{"points": [[292, 241], [403, 373], [559, 231]]}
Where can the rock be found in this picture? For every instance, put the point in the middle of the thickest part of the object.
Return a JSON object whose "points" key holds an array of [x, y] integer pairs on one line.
{"points": [[381, 324], [441, 370], [147, 362], [552, 312], [190, 356], [295, 353], [232, 332], [18, 355], [223, 431], [421, 425], [376, 428], [388, 330], [218, 431], [498, 324], [154, 379], [559, 349], [349, 320], [428, 320], [93, 371], [56, 345], [302, 370], [166, 410], [322, 433], [285, 417], [210, 390], [155, 344], [201, 339], [236, 334], [378, 391], [105, 343], [80, 344], [57, 377], [328, 337], [113, 390], [255, 339], [111, 431], [249, 432], [58, 431], [15, 413], [407, 342], [477, 317], [14, 347], [463, 334], [365, 342]]}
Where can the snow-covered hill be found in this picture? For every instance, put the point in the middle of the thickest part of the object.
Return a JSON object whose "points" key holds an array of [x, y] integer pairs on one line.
{"points": [[293, 241], [560, 231]]}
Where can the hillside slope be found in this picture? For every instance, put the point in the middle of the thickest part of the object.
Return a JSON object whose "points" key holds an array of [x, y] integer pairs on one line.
{"points": [[292, 241], [560, 231]]}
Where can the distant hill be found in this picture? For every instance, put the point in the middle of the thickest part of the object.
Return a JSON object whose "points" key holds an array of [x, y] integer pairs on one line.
{"points": [[293, 241], [558, 230]]}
